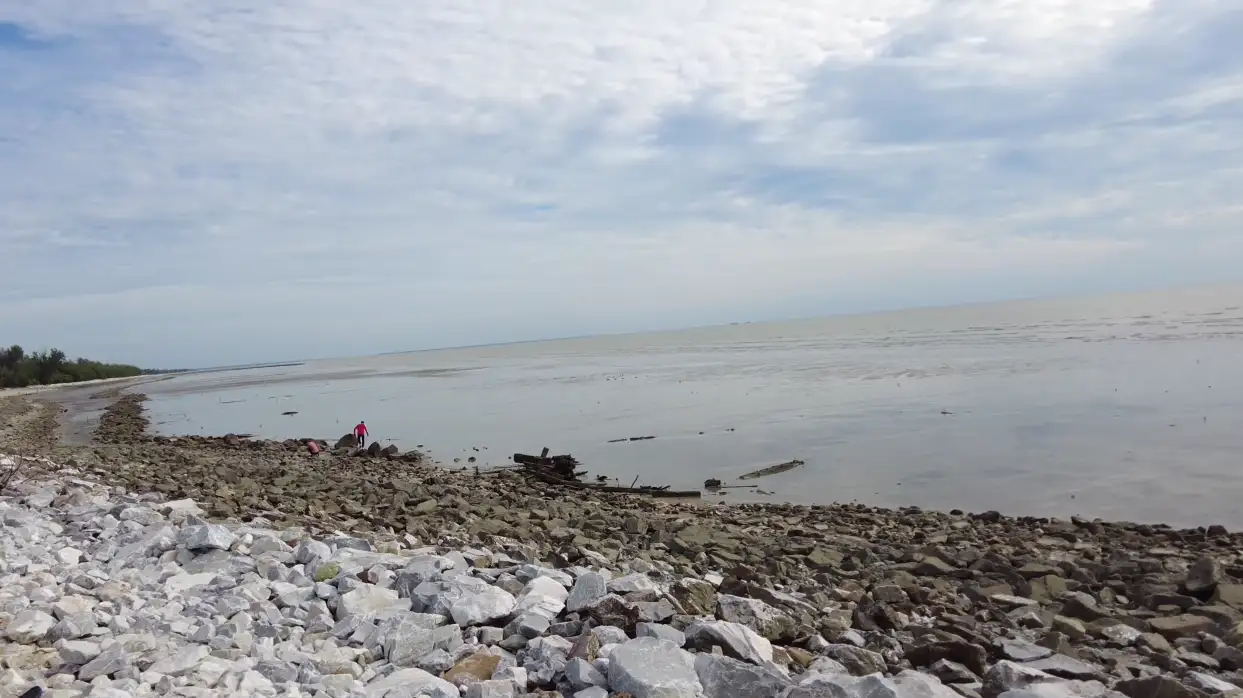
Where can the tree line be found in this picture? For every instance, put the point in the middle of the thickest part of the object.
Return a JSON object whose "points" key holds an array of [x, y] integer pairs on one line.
{"points": [[19, 369]]}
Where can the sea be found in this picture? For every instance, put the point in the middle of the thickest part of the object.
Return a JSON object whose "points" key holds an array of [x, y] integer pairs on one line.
{"points": [[1124, 407]]}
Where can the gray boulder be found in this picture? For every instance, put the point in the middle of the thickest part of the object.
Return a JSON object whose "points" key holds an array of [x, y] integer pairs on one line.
{"points": [[651, 668], [723, 677]]}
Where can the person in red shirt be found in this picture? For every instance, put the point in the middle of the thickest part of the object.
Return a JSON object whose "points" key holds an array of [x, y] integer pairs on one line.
{"points": [[361, 434]]}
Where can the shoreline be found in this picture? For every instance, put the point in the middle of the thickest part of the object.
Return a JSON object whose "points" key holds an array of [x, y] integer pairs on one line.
{"points": [[1110, 602]]}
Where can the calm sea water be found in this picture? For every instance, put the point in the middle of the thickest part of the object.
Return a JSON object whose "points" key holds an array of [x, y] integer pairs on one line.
{"points": [[1125, 407]]}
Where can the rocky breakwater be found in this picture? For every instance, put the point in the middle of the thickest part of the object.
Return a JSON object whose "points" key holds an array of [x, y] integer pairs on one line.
{"points": [[104, 593]]}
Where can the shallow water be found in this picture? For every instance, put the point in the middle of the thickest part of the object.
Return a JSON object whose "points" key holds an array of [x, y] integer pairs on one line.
{"points": [[1125, 407]]}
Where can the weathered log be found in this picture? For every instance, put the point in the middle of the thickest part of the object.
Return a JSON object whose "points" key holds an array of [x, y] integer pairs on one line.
{"points": [[652, 491]]}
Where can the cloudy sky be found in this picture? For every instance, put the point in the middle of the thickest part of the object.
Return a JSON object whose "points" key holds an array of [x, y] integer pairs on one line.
{"points": [[189, 183]]}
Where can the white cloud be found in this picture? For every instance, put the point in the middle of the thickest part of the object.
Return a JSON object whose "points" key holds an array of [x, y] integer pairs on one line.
{"points": [[563, 167]]}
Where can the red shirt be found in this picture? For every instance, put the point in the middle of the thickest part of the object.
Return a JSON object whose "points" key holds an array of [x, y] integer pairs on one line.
{"points": [[360, 429]]}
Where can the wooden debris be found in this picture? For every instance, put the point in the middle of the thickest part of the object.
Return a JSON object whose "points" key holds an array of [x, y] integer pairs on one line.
{"points": [[773, 469]]}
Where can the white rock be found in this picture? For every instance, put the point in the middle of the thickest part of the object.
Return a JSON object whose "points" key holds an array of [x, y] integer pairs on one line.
{"points": [[491, 689], [367, 601], [415, 682], [737, 641], [593, 692], [77, 652], [652, 668], [182, 662], [181, 583], [491, 604], [543, 596], [632, 583], [69, 556], [29, 626], [206, 537]]}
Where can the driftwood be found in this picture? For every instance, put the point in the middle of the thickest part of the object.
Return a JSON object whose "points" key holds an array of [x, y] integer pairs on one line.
{"points": [[560, 471], [649, 490], [772, 469]]}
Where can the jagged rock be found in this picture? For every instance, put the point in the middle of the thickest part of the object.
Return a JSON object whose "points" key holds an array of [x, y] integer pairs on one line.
{"points": [[651, 668], [206, 537], [587, 589], [29, 627], [490, 604], [754, 614], [111, 660], [367, 601], [858, 661], [696, 596], [1186, 625], [1022, 651], [1010, 676], [735, 640], [723, 677]]}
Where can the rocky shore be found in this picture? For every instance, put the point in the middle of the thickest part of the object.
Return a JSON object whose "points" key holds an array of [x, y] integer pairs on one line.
{"points": [[195, 566]]}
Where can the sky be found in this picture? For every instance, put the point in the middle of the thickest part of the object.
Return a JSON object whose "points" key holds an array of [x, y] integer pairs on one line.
{"points": [[189, 183]]}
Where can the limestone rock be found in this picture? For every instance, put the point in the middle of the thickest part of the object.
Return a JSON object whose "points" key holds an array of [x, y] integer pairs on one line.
{"points": [[723, 677], [29, 627], [487, 606], [737, 641], [587, 588], [650, 668]]}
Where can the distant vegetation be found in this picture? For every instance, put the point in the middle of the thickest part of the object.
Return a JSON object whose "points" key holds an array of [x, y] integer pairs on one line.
{"points": [[19, 369]]}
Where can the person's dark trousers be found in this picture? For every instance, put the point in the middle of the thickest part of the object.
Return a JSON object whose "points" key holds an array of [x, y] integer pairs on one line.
{"points": [[362, 441]]}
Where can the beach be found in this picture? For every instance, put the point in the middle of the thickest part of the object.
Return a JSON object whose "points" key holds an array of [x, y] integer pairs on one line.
{"points": [[797, 600]]}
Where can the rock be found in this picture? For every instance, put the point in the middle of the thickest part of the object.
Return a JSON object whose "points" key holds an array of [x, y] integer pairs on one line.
{"points": [[587, 588], [581, 674], [367, 601], [1065, 667], [489, 605], [1229, 595], [952, 672], [861, 662], [735, 640], [479, 666], [1186, 625], [662, 631], [970, 655], [933, 567], [182, 662], [77, 652], [309, 551], [1022, 651], [1121, 635], [29, 627], [754, 614], [696, 596], [206, 537], [542, 596], [111, 660], [651, 668], [1009, 676], [723, 677], [1082, 607], [908, 684], [415, 682], [632, 583], [1203, 577], [1210, 685], [1162, 686]]}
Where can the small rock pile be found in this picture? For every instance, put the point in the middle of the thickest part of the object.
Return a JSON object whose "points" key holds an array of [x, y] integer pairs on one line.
{"points": [[107, 594]]}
